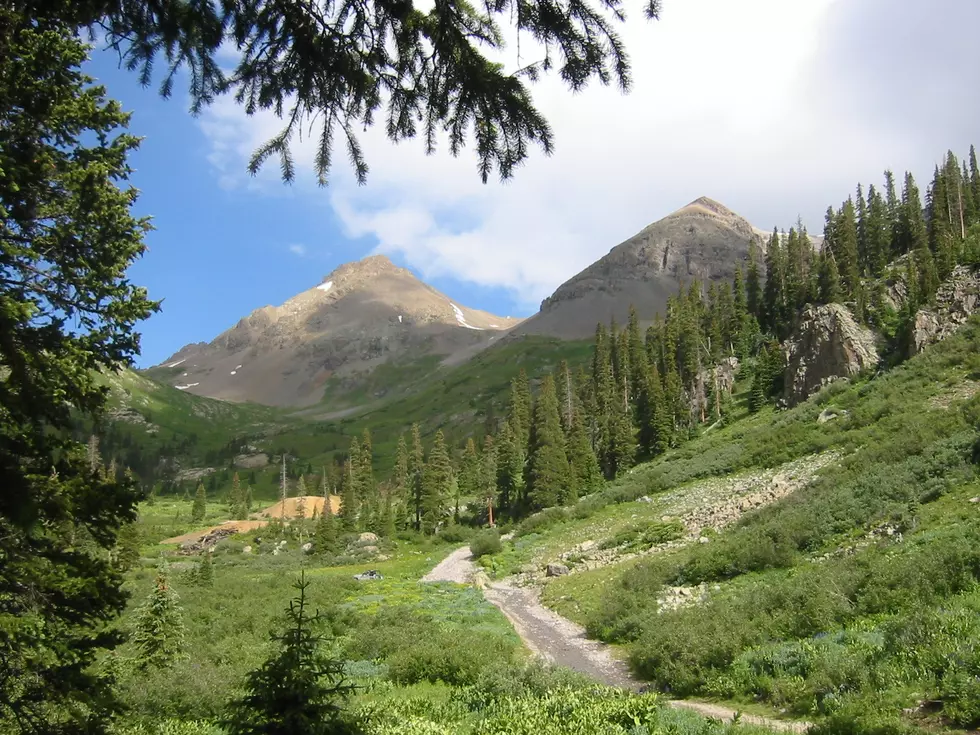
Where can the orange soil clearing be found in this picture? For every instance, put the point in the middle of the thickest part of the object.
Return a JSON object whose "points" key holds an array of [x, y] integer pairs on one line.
{"points": [[311, 503]]}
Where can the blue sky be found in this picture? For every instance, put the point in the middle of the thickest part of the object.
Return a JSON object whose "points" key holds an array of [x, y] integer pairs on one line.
{"points": [[710, 114], [218, 253]]}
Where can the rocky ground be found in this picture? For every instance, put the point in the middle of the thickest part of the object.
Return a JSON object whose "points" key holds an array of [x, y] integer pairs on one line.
{"points": [[702, 508]]}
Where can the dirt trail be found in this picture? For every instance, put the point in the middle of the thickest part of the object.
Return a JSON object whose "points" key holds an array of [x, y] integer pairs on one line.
{"points": [[560, 641]]}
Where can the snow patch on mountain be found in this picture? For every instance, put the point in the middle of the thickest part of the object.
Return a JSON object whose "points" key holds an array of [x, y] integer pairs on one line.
{"points": [[461, 318], [185, 387], [174, 364], [325, 286]]}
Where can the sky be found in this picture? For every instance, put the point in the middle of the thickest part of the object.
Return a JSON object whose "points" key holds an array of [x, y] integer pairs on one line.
{"points": [[774, 108]]}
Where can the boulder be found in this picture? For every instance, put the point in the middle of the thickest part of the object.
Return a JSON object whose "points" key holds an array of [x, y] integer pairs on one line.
{"points": [[828, 345], [367, 538], [956, 300], [251, 461], [556, 570]]}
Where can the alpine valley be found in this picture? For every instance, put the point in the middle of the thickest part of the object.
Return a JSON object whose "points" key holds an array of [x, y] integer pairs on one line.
{"points": [[743, 463]]}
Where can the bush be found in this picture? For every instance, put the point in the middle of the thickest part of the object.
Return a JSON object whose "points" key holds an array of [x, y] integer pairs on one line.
{"points": [[455, 533], [540, 521], [486, 542]]}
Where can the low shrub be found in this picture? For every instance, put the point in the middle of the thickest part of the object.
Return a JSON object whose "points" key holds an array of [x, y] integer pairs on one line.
{"points": [[485, 542]]}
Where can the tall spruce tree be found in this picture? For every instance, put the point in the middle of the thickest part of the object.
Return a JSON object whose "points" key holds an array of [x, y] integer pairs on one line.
{"points": [[877, 234], [348, 490], [753, 283], [586, 476], [912, 238], [549, 477], [829, 288], [469, 474], [436, 484], [893, 212], [510, 470], [488, 471], [158, 627], [774, 292], [846, 250], [299, 690], [199, 508], [940, 225], [68, 312], [400, 484], [416, 468]]}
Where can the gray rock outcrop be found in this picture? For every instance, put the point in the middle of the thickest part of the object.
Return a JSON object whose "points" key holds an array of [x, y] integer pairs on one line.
{"points": [[957, 299], [828, 345]]}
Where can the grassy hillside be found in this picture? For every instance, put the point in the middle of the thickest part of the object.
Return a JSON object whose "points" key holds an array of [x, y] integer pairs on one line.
{"points": [[153, 421], [828, 569]]}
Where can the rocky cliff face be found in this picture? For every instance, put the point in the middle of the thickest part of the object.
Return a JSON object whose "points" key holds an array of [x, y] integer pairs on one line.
{"points": [[704, 240], [828, 345], [362, 315], [957, 299]]}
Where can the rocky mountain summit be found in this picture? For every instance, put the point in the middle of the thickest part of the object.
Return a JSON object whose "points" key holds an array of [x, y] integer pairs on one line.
{"points": [[362, 315], [703, 240]]}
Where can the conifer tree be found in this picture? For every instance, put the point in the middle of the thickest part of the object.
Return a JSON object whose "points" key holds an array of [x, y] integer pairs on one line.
{"points": [[912, 238], [893, 213], [637, 353], [348, 495], [416, 467], [436, 484], [940, 228], [488, 471], [204, 574], [774, 292], [548, 471], [298, 690], [846, 250], [621, 453], [877, 233], [566, 395], [974, 178], [652, 416], [158, 627], [863, 249], [762, 379], [520, 409], [829, 278], [510, 470], [325, 530], [469, 471], [753, 284], [586, 476], [367, 495], [199, 508], [236, 499], [400, 484]]}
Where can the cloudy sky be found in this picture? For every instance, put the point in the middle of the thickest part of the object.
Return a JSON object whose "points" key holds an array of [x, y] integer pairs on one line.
{"points": [[775, 108]]}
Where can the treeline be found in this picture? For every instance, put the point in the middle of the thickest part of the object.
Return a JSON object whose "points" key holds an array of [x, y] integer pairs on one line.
{"points": [[647, 391]]}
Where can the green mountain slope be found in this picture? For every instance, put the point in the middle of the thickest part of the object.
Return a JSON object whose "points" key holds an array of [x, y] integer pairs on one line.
{"points": [[152, 421], [823, 561]]}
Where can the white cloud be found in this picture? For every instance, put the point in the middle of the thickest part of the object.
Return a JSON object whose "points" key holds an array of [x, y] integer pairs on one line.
{"points": [[298, 249], [737, 101]]}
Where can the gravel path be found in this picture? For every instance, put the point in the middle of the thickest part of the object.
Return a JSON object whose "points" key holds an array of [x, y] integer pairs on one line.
{"points": [[560, 641]]}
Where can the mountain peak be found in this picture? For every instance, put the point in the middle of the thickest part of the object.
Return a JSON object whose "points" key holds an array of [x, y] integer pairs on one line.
{"points": [[707, 205], [361, 270]]}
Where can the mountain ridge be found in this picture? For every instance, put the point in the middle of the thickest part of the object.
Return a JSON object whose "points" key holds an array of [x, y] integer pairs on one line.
{"points": [[362, 314], [704, 239]]}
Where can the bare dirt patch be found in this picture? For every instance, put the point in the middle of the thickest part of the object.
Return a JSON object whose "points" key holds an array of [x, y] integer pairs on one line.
{"points": [[308, 504]]}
